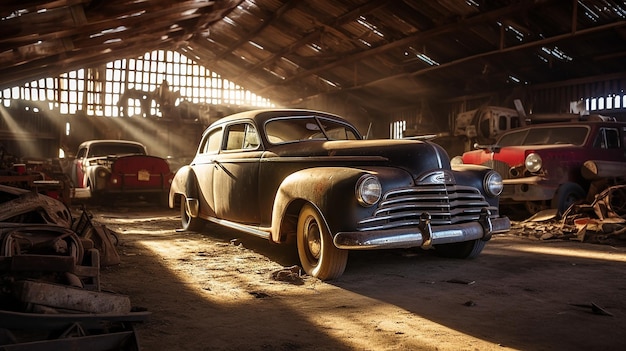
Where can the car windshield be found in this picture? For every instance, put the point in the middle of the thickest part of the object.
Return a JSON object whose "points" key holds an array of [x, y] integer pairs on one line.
{"points": [[114, 149], [545, 136], [285, 130]]}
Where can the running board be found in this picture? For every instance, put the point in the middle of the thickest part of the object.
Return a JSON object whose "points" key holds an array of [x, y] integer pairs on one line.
{"points": [[265, 234]]}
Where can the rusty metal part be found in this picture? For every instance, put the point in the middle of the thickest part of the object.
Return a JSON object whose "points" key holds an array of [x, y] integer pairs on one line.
{"points": [[18, 239], [611, 203], [86, 331], [24, 206], [101, 237]]}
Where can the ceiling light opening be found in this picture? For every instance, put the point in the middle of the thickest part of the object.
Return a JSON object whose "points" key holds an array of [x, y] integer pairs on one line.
{"points": [[274, 73], [519, 35], [289, 62], [328, 82], [558, 53], [363, 21], [315, 47], [365, 43], [427, 59], [189, 12], [514, 79], [255, 45]]}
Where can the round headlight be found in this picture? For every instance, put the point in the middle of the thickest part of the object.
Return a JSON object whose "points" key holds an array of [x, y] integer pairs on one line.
{"points": [[102, 173], [493, 184], [456, 160], [533, 162], [368, 190]]}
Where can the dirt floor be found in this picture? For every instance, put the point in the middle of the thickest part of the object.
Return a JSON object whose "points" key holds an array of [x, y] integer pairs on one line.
{"points": [[218, 290]]}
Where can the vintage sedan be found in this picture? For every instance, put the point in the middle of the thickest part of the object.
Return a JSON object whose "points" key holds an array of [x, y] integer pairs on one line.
{"points": [[308, 176], [541, 165], [106, 168]]}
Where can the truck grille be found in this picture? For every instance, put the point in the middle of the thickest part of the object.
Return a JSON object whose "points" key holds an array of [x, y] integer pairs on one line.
{"points": [[447, 204]]}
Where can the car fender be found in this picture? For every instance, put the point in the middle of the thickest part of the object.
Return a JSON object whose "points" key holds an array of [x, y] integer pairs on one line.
{"points": [[91, 177], [332, 190], [184, 183], [474, 176]]}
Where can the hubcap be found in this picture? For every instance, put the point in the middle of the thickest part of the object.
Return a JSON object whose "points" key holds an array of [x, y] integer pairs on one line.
{"points": [[313, 239]]}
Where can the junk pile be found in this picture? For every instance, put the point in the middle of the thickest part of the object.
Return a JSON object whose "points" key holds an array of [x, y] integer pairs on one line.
{"points": [[41, 176], [50, 296], [601, 220]]}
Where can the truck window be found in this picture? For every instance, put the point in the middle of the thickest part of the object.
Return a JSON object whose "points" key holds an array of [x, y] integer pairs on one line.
{"points": [[608, 138]]}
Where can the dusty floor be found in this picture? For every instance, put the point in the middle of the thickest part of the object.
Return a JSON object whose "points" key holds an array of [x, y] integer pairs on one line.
{"points": [[214, 291]]}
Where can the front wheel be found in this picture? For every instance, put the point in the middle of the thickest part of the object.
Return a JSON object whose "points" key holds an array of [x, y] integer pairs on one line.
{"points": [[465, 249], [189, 223], [320, 258], [566, 195]]}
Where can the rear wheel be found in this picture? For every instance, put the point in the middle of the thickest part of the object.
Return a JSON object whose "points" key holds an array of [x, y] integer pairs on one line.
{"points": [[465, 249], [189, 223], [319, 257]]}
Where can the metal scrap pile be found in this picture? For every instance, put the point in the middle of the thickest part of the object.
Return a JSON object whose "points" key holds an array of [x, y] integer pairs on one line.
{"points": [[602, 220], [50, 296]]}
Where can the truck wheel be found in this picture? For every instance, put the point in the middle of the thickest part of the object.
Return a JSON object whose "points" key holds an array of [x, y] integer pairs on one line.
{"points": [[319, 257], [189, 223], [566, 195], [465, 249]]}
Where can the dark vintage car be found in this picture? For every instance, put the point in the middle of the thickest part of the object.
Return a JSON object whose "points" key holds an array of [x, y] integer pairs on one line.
{"points": [[106, 168], [541, 164], [309, 176]]}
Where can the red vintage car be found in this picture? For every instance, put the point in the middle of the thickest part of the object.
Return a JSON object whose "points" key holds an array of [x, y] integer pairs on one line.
{"points": [[104, 168], [541, 164]]}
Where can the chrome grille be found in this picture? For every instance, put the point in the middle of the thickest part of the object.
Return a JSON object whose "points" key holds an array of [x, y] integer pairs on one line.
{"points": [[501, 167], [447, 204]]}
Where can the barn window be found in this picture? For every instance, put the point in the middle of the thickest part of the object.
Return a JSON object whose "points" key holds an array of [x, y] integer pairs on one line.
{"points": [[129, 87]]}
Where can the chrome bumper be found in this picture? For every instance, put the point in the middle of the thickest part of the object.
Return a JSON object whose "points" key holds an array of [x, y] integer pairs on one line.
{"points": [[424, 235]]}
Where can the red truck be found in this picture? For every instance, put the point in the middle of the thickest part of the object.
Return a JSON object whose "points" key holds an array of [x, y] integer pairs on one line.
{"points": [[541, 164]]}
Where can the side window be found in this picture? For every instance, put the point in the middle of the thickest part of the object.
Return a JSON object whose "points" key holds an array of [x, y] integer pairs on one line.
{"points": [[81, 153], [241, 136], [251, 140], [612, 139], [608, 138], [211, 142]]}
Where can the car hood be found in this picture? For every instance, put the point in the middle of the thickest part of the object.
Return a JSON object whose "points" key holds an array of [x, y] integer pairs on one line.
{"points": [[511, 155], [414, 156]]}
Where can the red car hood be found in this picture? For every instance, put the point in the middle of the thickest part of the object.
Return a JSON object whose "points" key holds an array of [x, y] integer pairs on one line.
{"points": [[511, 155]]}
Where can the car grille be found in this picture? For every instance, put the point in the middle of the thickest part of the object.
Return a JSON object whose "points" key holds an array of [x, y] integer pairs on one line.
{"points": [[501, 167], [447, 204]]}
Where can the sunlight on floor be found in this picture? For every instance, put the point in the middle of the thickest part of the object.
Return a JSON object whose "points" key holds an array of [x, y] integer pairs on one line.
{"points": [[229, 281], [618, 255]]}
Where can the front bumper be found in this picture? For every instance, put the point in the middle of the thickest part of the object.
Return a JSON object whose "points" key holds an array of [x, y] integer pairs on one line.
{"points": [[528, 189], [424, 235]]}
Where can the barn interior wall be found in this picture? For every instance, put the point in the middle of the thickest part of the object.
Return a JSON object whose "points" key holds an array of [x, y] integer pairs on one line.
{"points": [[29, 129], [557, 99]]}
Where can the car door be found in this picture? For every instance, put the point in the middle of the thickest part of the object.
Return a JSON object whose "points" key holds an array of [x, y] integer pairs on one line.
{"points": [[203, 167], [611, 142], [236, 173]]}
